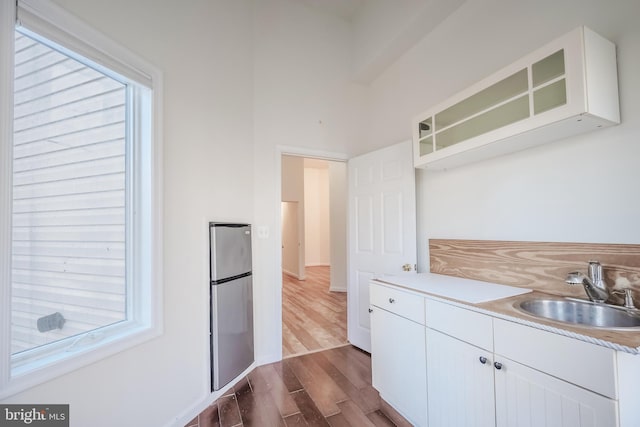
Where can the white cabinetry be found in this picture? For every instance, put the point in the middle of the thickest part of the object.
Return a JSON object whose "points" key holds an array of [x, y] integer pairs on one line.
{"points": [[460, 371], [460, 383], [526, 397], [398, 351], [464, 374], [565, 381], [628, 388], [440, 364], [587, 365], [565, 88]]}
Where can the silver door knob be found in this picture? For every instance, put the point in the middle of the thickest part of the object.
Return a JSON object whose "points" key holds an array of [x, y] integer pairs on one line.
{"points": [[497, 365], [482, 359], [391, 300]]}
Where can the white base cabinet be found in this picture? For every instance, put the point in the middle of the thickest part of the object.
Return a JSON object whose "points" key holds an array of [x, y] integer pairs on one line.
{"points": [[529, 398], [458, 367], [465, 388], [398, 351]]}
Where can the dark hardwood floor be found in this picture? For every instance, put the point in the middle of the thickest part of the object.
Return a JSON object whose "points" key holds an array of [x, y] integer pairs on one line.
{"points": [[326, 388], [313, 318]]}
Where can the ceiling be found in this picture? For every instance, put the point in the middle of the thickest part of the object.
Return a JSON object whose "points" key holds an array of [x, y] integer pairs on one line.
{"points": [[382, 30], [345, 9]]}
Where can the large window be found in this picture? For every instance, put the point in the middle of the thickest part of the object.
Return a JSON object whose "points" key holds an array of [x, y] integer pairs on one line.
{"points": [[82, 223]]}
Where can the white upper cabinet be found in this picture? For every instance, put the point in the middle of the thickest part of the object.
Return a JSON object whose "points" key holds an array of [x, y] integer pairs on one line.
{"points": [[565, 88]]}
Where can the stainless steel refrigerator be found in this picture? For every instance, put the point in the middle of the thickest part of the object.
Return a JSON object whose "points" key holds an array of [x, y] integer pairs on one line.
{"points": [[231, 301]]}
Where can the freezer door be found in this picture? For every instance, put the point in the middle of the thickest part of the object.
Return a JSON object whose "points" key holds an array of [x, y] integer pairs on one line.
{"points": [[231, 330], [230, 250]]}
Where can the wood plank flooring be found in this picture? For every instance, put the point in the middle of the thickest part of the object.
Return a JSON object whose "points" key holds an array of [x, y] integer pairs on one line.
{"points": [[313, 318], [326, 388]]}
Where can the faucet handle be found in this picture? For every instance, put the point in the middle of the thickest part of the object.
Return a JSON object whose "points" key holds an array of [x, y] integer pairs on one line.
{"points": [[628, 297], [595, 270]]}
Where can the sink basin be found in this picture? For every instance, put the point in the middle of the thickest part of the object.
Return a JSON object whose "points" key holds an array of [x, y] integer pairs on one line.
{"points": [[581, 313]]}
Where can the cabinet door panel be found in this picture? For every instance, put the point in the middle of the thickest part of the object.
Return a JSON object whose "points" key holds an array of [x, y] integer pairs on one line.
{"points": [[529, 398], [460, 386], [563, 357], [398, 363]]}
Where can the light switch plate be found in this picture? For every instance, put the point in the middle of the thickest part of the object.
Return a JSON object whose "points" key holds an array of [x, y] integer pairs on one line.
{"points": [[263, 232]]}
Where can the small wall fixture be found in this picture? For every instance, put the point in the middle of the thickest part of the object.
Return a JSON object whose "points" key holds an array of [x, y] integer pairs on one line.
{"points": [[51, 322]]}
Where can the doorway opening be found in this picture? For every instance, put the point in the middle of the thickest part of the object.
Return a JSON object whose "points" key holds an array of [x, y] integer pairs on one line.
{"points": [[314, 254]]}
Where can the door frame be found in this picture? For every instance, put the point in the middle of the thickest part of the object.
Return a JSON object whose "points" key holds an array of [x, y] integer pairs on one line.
{"points": [[299, 269], [277, 246]]}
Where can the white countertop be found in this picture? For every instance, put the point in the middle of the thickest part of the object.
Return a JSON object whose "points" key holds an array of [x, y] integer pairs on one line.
{"points": [[467, 290], [496, 300]]}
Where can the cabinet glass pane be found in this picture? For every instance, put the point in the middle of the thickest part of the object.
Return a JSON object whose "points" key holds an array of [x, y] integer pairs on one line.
{"points": [[551, 96], [426, 146], [506, 114], [508, 88], [425, 128], [548, 68]]}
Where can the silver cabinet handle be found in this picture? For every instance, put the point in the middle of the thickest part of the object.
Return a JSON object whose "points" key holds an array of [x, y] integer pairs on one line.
{"points": [[483, 359], [391, 300], [497, 365]]}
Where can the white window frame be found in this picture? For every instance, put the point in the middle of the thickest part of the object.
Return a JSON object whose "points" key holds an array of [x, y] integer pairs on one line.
{"points": [[145, 306]]}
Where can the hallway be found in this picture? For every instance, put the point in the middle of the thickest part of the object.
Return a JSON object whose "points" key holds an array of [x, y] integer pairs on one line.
{"points": [[313, 318]]}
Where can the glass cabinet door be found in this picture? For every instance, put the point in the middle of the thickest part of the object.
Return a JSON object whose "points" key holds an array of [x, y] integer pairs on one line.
{"points": [[503, 115], [425, 136], [549, 85], [484, 111], [493, 95]]}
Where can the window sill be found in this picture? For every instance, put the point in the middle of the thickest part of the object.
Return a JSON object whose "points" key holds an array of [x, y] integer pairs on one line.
{"points": [[61, 363]]}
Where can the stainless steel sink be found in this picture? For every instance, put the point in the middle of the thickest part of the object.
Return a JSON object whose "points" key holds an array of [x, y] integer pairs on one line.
{"points": [[582, 313]]}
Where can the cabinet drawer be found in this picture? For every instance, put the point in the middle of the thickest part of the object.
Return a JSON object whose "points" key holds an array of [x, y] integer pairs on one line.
{"points": [[584, 364], [402, 303], [465, 325]]}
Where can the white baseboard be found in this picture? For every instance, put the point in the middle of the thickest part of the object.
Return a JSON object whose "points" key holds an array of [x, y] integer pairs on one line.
{"points": [[317, 264], [337, 288], [295, 276], [202, 404]]}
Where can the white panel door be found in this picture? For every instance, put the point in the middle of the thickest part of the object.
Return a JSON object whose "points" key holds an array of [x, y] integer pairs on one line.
{"points": [[382, 228], [529, 398]]}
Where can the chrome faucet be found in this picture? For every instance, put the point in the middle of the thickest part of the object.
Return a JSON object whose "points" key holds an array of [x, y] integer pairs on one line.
{"points": [[593, 284]]}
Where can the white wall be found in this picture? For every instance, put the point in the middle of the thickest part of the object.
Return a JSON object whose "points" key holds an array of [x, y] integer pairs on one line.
{"points": [[290, 240], [204, 48], [303, 99], [316, 216], [292, 187], [244, 79], [582, 189], [338, 224]]}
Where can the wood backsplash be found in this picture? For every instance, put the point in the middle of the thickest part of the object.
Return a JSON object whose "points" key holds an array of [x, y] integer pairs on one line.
{"points": [[536, 265]]}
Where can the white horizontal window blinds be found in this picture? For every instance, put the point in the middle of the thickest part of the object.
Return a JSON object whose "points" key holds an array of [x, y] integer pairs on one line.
{"points": [[69, 194]]}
